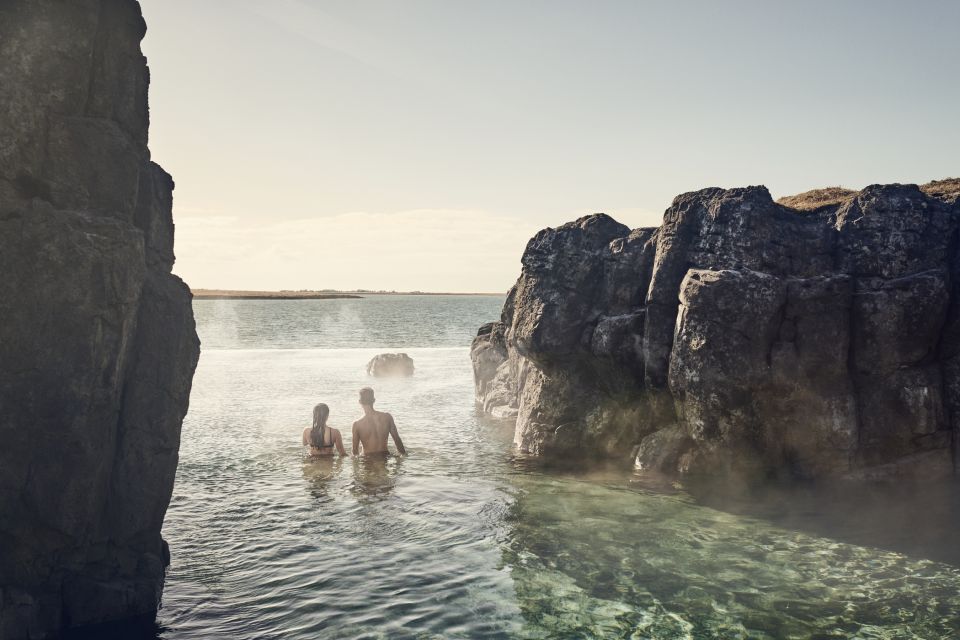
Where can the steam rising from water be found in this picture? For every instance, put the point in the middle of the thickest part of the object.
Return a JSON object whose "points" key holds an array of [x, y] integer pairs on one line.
{"points": [[463, 540]]}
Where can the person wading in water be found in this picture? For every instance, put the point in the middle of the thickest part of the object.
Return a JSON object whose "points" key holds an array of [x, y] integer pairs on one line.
{"points": [[372, 429], [320, 438]]}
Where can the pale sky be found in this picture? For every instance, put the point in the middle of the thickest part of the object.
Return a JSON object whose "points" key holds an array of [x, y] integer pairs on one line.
{"points": [[418, 144]]}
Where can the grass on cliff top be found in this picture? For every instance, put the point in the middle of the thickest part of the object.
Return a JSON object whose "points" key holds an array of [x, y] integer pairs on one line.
{"points": [[947, 190], [816, 198]]}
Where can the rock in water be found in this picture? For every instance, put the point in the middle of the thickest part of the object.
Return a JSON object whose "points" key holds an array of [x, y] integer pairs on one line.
{"points": [[390, 365], [97, 339], [741, 335]]}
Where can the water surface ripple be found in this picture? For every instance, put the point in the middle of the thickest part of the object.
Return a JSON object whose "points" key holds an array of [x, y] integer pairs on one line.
{"points": [[461, 539]]}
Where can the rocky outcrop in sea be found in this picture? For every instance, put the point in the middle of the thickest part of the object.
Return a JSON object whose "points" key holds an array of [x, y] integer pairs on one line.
{"points": [[390, 365], [97, 341], [814, 337]]}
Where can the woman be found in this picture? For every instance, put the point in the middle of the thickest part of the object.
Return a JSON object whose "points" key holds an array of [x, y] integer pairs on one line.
{"points": [[320, 438]]}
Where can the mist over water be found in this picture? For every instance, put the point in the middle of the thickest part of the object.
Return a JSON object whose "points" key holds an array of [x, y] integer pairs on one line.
{"points": [[463, 539], [377, 321]]}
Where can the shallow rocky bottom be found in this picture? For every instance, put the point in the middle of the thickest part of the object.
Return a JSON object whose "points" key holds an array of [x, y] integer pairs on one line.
{"points": [[463, 540], [629, 564]]}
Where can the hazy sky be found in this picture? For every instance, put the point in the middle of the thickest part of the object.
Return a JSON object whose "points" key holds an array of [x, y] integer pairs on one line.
{"points": [[418, 144]]}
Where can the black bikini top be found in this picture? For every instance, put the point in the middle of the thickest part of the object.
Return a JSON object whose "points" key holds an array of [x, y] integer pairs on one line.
{"points": [[325, 431]]}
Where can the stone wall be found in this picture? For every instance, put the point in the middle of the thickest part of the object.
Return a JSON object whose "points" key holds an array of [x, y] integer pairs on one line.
{"points": [[740, 335], [97, 339]]}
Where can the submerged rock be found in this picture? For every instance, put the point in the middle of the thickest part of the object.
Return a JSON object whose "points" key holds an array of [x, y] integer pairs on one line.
{"points": [[740, 335], [390, 365], [97, 342]]}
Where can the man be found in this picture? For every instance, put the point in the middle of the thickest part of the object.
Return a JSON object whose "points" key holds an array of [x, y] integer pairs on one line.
{"points": [[371, 430]]}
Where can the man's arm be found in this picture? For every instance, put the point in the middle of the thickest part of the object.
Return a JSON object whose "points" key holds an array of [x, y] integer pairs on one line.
{"points": [[355, 440], [396, 437]]}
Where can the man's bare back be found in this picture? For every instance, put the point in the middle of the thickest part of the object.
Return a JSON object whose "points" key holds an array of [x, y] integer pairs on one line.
{"points": [[372, 429]]}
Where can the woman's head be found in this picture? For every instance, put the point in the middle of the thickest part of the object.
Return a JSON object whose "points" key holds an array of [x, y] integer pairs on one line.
{"points": [[320, 414]]}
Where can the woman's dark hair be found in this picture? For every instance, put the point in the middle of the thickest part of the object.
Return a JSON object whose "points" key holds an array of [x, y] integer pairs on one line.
{"points": [[320, 414]]}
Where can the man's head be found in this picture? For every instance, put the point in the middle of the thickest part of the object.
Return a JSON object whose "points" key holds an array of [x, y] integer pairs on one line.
{"points": [[366, 397]]}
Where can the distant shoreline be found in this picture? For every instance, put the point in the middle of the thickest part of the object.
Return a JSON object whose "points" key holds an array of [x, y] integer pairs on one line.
{"points": [[231, 294]]}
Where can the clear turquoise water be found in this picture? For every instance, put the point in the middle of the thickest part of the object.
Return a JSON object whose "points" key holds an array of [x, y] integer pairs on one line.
{"points": [[462, 539]]}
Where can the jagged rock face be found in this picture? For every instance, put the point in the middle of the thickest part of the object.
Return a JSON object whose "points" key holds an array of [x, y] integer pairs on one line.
{"points": [[390, 365], [97, 342], [741, 335]]}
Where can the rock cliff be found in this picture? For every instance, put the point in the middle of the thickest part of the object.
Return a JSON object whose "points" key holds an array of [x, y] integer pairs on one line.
{"points": [[97, 339], [814, 337]]}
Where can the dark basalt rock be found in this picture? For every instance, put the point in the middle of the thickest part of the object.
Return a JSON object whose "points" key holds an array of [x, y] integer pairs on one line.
{"points": [[97, 339], [741, 335], [390, 365]]}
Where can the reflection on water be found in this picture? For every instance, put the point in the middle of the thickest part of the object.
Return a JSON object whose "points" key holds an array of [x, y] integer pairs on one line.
{"points": [[618, 561], [462, 539], [919, 520], [374, 476], [321, 473]]}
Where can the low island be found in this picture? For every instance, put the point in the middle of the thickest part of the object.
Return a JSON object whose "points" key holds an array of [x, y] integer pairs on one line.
{"points": [[229, 294], [307, 294]]}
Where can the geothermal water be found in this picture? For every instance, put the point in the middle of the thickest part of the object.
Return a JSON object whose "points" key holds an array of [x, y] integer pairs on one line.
{"points": [[465, 539]]}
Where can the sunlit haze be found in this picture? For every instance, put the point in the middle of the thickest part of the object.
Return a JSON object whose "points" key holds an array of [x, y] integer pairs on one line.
{"points": [[419, 144]]}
